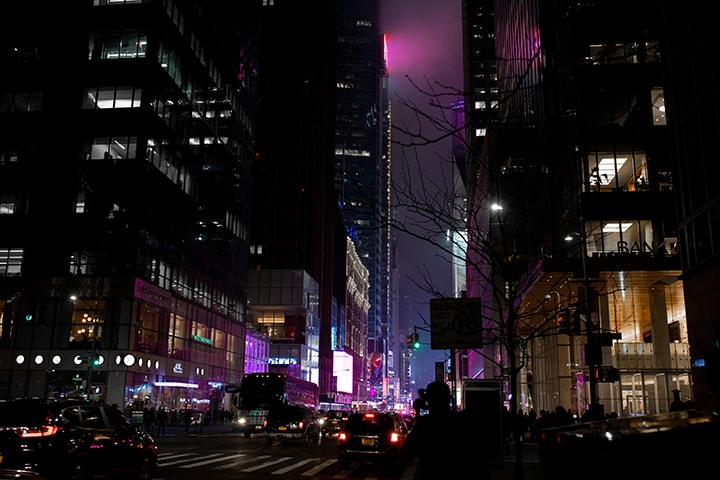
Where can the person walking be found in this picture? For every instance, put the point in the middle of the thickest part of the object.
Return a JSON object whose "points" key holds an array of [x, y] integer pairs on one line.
{"points": [[161, 421], [188, 420], [148, 419], [442, 443]]}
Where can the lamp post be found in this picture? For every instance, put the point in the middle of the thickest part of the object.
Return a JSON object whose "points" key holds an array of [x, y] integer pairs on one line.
{"points": [[92, 331], [557, 302]]}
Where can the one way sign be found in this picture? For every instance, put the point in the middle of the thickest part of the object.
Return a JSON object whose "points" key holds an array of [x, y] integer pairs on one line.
{"points": [[455, 323]]}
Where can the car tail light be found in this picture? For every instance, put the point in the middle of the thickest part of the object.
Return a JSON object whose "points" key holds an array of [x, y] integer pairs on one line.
{"points": [[301, 425], [394, 437], [369, 415], [44, 431], [342, 437]]}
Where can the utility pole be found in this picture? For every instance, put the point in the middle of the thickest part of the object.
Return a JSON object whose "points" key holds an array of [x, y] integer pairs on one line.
{"points": [[593, 348]]}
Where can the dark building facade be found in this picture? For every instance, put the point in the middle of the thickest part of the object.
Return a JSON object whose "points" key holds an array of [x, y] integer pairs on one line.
{"points": [[693, 120], [127, 134], [295, 214], [362, 169], [579, 161]]}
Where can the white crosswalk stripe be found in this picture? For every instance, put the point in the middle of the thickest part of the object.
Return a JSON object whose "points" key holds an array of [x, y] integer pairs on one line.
{"points": [[293, 466], [183, 460], [317, 468], [245, 461], [266, 464], [213, 460]]}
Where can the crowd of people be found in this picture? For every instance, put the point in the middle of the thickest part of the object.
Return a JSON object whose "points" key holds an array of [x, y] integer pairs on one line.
{"points": [[155, 420]]}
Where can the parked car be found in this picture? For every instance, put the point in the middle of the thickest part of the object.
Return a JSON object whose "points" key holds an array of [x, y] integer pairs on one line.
{"points": [[371, 437], [291, 422], [73, 440], [333, 421]]}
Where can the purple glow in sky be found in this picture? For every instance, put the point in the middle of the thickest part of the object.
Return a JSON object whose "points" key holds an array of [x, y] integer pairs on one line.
{"points": [[424, 42]]}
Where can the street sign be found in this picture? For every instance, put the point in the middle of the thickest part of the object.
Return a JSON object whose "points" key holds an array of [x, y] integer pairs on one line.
{"points": [[455, 323], [439, 371]]}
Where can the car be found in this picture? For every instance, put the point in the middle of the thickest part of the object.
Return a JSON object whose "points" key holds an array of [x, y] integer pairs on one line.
{"points": [[371, 437], [333, 421], [291, 422], [73, 440]]}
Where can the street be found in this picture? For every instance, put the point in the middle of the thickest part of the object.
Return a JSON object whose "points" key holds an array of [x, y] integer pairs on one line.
{"points": [[217, 454]]}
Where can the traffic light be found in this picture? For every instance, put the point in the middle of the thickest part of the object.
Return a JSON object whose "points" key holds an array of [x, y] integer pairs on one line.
{"points": [[409, 342], [562, 320], [96, 360], [569, 321], [575, 326], [416, 341]]}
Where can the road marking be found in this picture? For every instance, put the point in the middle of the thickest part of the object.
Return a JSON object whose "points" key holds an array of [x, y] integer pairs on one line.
{"points": [[243, 462], [409, 472], [213, 460], [266, 464], [317, 468], [182, 460], [174, 455], [294, 466]]}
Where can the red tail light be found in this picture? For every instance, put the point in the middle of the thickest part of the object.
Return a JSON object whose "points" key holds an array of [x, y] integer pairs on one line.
{"points": [[394, 437], [44, 431], [302, 424], [342, 437]]}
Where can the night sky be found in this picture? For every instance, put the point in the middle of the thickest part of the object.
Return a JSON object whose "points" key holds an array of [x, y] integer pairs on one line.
{"points": [[424, 41]]}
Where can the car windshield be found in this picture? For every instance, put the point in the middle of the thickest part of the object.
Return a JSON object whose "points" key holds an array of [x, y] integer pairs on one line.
{"points": [[336, 415], [368, 423], [284, 414], [16, 414]]}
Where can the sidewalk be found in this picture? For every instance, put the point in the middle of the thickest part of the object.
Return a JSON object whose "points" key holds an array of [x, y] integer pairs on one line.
{"points": [[531, 465]]}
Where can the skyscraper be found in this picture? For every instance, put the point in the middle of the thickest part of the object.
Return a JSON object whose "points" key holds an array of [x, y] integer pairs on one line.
{"points": [[362, 170], [579, 162], [124, 176]]}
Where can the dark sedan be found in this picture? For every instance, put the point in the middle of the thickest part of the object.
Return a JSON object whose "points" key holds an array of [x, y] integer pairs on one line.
{"points": [[333, 421], [73, 440], [371, 437]]}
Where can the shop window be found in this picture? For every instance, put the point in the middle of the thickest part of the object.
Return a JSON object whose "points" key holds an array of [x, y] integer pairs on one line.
{"points": [[87, 322]]}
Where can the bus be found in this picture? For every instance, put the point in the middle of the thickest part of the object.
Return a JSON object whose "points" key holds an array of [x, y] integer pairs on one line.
{"points": [[260, 391]]}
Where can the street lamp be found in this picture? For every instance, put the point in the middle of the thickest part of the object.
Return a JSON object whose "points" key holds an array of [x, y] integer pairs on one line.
{"points": [[91, 333], [557, 303]]}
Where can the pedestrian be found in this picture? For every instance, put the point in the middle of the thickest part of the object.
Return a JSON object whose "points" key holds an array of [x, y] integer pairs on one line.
{"points": [[188, 420], [161, 421], [443, 443], [148, 419]]}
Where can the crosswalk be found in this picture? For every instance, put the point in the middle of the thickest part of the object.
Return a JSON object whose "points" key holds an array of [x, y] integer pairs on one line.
{"points": [[267, 464]]}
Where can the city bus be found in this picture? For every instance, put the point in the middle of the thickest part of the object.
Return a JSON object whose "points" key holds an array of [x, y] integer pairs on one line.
{"points": [[260, 391]]}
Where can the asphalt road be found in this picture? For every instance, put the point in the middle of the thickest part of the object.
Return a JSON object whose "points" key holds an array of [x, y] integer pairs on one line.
{"points": [[217, 454]]}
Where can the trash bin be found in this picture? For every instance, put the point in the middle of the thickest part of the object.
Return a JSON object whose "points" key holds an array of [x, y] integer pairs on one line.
{"points": [[664, 445]]}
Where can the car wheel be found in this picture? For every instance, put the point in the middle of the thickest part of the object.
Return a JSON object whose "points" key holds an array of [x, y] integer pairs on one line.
{"points": [[147, 468], [268, 441], [247, 434], [344, 464], [80, 469]]}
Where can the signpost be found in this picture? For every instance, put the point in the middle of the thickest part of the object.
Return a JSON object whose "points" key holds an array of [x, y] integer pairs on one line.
{"points": [[455, 323]]}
